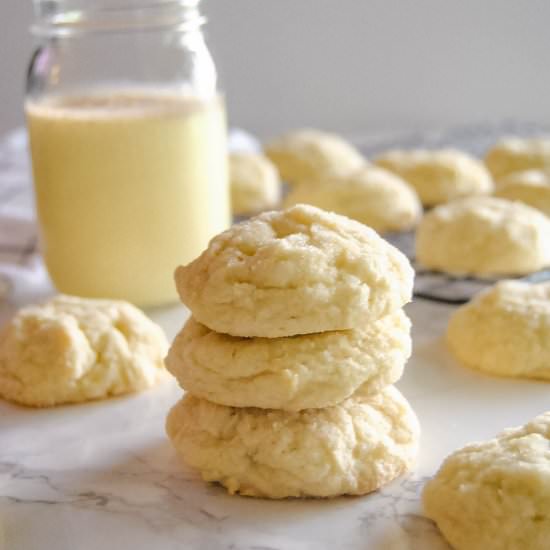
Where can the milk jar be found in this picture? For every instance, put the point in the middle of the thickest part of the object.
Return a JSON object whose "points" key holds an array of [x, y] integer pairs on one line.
{"points": [[128, 143]]}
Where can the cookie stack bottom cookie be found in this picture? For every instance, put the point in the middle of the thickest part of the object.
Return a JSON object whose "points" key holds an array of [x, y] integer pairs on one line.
{"points": [[352, 448], [281, 402]]}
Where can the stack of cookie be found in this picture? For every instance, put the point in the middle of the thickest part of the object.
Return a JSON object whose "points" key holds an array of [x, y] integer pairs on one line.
{"points": [[296, 335]]}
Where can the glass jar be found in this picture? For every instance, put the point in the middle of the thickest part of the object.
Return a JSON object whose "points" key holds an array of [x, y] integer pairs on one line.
{"points": [[128, 144]]}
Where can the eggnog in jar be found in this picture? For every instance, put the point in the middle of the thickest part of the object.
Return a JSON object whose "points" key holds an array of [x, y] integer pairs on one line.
{"points": [[128, 186]]}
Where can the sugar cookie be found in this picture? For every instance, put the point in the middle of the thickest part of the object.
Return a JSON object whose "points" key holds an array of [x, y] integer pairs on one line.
{"points": [[254, 183], [518, 154], [296, 271], [527, 177], [531, 187], [438, 176], [495, 495], [351, 448], [505, 330], [307, 155], [371, 195], [73, 349], [484, 236], [293, 373]]}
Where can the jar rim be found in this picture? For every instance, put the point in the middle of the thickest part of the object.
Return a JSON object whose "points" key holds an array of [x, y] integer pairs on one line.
{"points": [[72, 17]]}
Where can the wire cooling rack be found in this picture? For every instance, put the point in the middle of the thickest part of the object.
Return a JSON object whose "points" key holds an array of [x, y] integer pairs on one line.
{"points": [[445, 288]]}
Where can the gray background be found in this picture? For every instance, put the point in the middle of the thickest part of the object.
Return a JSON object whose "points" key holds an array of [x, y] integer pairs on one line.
{"points": [[354, 66]]}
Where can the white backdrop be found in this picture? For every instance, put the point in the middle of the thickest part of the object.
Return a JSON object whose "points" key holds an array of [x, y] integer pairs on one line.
{"points": [[354, 66]]}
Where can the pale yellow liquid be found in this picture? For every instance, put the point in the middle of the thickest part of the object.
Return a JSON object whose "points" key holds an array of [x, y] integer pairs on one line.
{"points": [[128, 186]]}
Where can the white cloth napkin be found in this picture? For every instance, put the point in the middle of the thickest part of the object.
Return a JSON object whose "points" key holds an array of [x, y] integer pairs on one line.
{"points": [[22, 273]]}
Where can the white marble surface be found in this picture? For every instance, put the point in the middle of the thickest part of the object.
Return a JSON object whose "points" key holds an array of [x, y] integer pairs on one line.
{"points": [[103, 475]]}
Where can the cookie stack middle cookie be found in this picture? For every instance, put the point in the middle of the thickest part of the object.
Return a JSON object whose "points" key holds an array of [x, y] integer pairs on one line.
{"points": [[296, 335]]}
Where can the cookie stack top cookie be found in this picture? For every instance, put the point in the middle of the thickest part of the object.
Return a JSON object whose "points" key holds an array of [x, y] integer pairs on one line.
{"points": [[296, 271]]}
